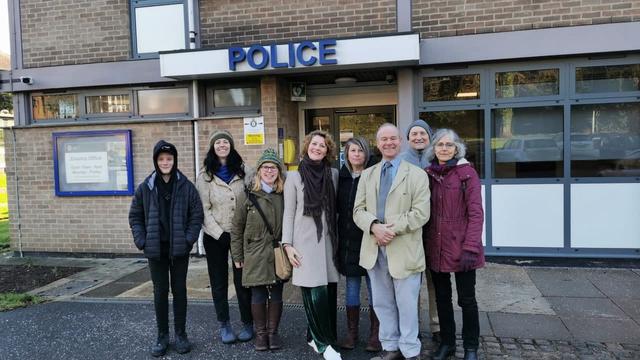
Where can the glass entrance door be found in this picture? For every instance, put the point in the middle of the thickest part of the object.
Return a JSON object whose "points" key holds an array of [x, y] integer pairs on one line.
{"points": [[344, 123]]}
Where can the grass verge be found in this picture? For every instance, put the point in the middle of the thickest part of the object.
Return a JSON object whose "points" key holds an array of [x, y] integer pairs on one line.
{"points": [[10, 301], [5, 241]]}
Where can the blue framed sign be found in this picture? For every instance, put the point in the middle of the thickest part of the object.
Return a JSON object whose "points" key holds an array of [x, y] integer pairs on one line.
{"points": [[93, 163]]}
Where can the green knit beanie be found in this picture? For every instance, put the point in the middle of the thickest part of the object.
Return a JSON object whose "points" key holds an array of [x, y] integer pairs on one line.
{"points": [[270, 155]]}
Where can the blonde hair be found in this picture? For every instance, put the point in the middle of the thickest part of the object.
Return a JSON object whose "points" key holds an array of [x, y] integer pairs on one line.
{"points": [[328, 139], [278, 186]]}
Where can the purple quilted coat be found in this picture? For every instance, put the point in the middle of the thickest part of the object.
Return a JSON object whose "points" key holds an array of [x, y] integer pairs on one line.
{"points": [[456, 217]]}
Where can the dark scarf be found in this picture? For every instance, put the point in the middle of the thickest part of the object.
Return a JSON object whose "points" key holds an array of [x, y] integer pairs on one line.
{"points": [[225, 174], [444, 168], [319, 196]]}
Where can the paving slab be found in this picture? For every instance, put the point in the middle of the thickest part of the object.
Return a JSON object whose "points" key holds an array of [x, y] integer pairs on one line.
{"points": [[485, 325], [631, 307], [508, 289], [563, 282], [603, 330], [528, 326], [616, 283], [587, 308]]}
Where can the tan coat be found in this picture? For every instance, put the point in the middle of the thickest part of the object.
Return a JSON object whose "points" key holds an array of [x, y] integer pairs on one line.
{"points": [[317, 267], [220, 200], [407, 207]]}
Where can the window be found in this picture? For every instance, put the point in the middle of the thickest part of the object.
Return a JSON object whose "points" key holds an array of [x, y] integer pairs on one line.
{"points": [[240, 98], [514, 84], [451, 88], [158, 25], [163, 101], [54, 107], [607, 79], [469, 125], [527, 142], [105, 104], [605, 140], [111, 104]]}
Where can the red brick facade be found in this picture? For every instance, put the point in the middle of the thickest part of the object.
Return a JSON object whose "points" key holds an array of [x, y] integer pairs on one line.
{"points": [[441, 18], [249, 21]]}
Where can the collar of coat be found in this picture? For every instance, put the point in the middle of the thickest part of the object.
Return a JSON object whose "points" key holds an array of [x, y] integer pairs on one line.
{"points": [[151, 180]]}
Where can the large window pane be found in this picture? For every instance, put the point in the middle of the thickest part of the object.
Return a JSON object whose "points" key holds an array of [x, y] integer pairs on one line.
{"points": [[515, 84], [160, 28], [605, 140], [469, 124], [451, 88], [603, 79], [235, 97], [163, 101], [102, 104], [54, 107], [527, 142]]}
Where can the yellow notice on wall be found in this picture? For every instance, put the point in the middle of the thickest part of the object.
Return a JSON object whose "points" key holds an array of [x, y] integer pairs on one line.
{"points": [[254, 130]]}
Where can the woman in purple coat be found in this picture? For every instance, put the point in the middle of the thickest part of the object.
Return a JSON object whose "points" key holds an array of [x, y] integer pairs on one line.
{"points": [[453, 239]]}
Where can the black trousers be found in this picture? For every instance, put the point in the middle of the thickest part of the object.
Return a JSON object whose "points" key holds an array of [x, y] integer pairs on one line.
{"points": [[466, 288], [218, 268], [165, 271]]}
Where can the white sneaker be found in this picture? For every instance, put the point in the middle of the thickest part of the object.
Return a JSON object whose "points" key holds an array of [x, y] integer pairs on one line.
{"points": [[313, 346], [331, 354]]}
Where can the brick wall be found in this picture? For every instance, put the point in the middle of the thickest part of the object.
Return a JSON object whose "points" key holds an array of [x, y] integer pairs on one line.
{"points": [[288, 114], [461, 17], [248, 21], [59, 32], [94, 224]]}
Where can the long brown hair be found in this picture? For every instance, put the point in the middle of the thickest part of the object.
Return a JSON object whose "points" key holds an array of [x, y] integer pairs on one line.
{"points": [[328, 139]]}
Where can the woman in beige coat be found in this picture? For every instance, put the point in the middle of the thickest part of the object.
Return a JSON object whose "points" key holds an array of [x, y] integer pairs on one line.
{"points": [[309, 237], [221, 184]]}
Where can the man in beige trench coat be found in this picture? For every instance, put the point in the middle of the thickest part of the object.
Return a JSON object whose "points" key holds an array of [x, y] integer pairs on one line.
{"points": [[391, 206]]}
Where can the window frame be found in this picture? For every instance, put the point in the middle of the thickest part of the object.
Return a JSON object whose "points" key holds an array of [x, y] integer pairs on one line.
{"points": [[133, 114], [212, 111], [135, 4]]}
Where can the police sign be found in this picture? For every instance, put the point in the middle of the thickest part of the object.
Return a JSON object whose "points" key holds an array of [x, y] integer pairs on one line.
{"points": [[305, 53]]}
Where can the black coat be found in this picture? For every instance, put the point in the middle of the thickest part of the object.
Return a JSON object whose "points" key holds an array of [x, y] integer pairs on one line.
{"points": [[349, 235], [186, 217]]}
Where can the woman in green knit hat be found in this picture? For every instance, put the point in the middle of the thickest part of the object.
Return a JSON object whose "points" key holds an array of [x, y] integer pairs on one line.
{"points": [[252, 243]]}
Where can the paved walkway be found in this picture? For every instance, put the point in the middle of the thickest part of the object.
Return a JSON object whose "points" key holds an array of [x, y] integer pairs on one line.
{"points": [[525, 312]]}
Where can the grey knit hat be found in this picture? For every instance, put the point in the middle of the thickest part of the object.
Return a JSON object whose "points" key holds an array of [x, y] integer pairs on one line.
{"points": [[221, 134], [423, 124], [270, 155]]}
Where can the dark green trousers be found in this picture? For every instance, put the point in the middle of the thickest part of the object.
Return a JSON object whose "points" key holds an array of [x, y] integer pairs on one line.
{"points": [[320, 307]]}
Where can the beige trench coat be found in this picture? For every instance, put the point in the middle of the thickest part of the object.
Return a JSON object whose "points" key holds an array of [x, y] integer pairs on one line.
{"points": [[317, 267]]}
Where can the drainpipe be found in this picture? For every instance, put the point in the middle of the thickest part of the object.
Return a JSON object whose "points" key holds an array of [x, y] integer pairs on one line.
{"points": [[15, 179]]}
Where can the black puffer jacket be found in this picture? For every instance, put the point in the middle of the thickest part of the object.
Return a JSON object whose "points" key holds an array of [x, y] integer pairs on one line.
{"points": [[349, 235], [186, 217]]}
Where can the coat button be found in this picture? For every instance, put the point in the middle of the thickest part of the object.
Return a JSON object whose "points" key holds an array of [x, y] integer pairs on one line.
{"points": [[232, 198]]}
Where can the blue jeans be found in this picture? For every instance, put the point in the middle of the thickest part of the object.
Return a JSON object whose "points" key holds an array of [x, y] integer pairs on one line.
{"points": [[352, 292]]}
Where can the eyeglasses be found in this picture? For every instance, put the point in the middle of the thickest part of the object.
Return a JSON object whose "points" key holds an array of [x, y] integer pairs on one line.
{"points": [[445, 145], [269, 168]]}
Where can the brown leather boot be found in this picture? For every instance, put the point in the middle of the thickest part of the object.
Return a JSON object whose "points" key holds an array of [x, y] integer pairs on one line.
{"points": [[353, 319], [274, 315], [373, 344], [259, 313]]}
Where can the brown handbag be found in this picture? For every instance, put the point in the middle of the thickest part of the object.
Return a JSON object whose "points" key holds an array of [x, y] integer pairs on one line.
{"points": [[281, 260]]}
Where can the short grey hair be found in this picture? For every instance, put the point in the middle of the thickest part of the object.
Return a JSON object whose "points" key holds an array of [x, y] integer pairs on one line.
{"points": [[461, 148]]}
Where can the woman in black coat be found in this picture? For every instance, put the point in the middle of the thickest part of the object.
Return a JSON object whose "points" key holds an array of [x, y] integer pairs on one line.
{"points": [[357, 158]]}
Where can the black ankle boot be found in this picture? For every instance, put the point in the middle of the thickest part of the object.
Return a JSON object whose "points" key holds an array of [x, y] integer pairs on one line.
{"points": [[443, 352], [161, 345], [183, 345], [470, 354]]}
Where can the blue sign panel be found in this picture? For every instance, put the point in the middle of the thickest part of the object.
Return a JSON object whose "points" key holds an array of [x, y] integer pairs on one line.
{"points": [[305, 53]]}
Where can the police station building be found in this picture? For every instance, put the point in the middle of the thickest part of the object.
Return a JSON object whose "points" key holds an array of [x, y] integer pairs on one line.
{"points": [[545, 93]]}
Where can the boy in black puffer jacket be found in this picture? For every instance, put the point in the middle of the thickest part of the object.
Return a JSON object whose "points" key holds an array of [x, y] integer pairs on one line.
{"points": [[165, 218]]}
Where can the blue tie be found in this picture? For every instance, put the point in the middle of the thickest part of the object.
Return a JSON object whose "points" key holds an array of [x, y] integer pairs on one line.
{"points": [[386, 179]]}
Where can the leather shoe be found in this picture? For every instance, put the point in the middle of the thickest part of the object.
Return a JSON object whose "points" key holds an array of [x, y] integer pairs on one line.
{"points": [[443, 352], [389, 355], [470, 354], [161, 345]]}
